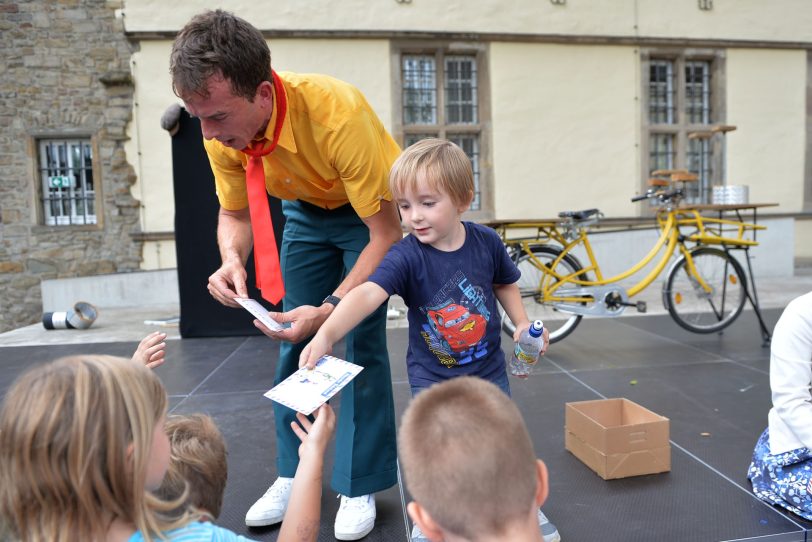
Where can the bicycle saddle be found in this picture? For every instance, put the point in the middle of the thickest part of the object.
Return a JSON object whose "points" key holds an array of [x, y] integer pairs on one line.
{"points": [[578, 215]]}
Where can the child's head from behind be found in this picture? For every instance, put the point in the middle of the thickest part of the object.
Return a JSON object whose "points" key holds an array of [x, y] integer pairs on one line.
{"points": [[438, 164], [81, 443], [198, 461], [468, 460]]}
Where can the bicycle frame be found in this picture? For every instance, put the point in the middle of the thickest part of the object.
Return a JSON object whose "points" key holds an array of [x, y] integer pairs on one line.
{"points": [[551, 281]]}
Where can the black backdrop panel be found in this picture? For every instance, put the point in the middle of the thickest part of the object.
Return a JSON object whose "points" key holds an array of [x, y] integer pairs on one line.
{"points": [[196, 209]]}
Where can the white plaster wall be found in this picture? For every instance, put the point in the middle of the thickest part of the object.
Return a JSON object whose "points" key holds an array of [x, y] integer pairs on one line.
{"points": [[565, 129], [803, 239], [766, 100], [729, 19], [150, 146]]}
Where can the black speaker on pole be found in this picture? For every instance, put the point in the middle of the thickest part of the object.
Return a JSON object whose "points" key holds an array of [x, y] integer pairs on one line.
{"points": [[196, 209]]}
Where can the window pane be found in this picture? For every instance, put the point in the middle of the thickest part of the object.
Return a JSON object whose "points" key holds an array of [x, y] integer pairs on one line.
{"points": [[461, 90], [661, 152], [661, 92], [67, 183], [411, 139], [697, 92], [698, 160], [419, 89], [470, 144]]}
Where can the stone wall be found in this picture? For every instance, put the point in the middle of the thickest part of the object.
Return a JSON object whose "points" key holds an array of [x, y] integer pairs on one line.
{"points": [[64, 72]]}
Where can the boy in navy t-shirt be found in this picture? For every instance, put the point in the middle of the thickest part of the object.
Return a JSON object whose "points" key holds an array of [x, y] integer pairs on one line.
{"points": [[450, 273]]}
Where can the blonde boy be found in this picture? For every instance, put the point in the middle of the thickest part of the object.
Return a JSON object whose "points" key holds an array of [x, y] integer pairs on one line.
{"points": [[450, 273], [487, 483]]}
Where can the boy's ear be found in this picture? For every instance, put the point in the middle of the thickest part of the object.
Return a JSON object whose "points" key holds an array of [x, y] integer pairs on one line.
{"points": [[465, 205], [423, 519], [542, 485]]}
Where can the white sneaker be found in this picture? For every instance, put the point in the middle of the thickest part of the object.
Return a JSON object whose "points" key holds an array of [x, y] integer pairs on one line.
{"points": [[271, 507], [355, 518], [417, 535], [548, 530]]}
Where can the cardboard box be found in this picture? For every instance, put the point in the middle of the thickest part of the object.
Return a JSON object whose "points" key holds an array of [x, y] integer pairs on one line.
{"points": [[617, 438]]}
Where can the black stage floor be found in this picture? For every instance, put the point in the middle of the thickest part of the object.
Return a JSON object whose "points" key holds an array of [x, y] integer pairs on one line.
{"points": [[714, 388]]}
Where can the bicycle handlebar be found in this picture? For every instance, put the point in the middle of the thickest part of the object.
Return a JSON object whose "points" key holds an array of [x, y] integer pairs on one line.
{"points": [[661, 195]]}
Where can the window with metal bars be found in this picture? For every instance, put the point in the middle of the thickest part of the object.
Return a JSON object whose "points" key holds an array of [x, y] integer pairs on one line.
{"points": [[679, 102], [68, 192], [440, 98]]}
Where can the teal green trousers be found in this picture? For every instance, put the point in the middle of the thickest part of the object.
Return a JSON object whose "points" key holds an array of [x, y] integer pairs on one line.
{"points": [[319, 247]]}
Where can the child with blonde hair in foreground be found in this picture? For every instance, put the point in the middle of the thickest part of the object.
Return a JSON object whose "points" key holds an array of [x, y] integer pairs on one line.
{"points": [[82, 445], [492, 488]]}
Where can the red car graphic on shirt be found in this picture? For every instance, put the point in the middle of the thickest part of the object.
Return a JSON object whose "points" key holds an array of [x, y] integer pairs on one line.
{"points": [[458, 328]]}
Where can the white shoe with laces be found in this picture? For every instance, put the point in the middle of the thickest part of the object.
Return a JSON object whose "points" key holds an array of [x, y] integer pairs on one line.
{"points": [[548, 530], [271, 507], [355, 518], [417, 535]]}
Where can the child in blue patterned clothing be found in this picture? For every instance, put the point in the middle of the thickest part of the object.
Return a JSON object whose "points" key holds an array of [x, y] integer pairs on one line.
{"points": [[449, 272], [781, 470]]}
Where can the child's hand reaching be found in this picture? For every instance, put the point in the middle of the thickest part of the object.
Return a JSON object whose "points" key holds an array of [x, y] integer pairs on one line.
{"points": [[314, 350], [151, 350], [315, 435]]}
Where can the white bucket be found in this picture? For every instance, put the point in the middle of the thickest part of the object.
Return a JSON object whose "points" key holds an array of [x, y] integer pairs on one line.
{"points": [[730, 195]]}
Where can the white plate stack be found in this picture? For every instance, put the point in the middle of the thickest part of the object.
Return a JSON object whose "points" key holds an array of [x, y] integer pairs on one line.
{"points": [[730, 195]]}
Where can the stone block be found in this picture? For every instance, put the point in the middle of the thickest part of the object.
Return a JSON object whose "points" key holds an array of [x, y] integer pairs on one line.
{"points": [[39, 267], [11, 267]]}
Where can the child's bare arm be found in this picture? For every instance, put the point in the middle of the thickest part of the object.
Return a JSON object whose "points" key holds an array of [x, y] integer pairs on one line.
{"points": [[151, 350], [359, 303], [301, 522], [511, 300]]}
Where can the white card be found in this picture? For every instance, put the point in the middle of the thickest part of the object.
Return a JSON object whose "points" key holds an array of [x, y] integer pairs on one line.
{"points": [[259, 312], [306, 390]]}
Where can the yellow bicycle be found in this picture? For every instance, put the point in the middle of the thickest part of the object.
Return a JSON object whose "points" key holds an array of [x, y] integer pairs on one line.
{"points": [[704, 290]]}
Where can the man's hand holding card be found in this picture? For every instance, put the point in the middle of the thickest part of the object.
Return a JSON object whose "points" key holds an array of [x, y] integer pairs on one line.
{"points": [[261, 314]]}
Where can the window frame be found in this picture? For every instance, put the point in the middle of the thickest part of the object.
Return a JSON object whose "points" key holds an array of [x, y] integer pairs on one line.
{"points": [[681, 127], [440, 50], [73, 221]]}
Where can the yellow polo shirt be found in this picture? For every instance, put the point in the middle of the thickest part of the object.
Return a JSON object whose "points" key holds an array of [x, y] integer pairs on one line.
{"points": [[333, 149]]}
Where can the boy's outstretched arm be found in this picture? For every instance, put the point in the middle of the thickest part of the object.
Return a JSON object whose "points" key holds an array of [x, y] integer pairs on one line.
{"points": [[511, 300], [301, 522], [359, 303], [151, 350]]}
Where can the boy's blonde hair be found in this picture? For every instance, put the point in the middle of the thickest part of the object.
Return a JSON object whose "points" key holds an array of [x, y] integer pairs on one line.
{"points": [[198, 462], [440, 163], [467, 457], [65, 463]]}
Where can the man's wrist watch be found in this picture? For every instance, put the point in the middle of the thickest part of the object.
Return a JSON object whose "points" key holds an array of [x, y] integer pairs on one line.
{"points": [[332, 300]]}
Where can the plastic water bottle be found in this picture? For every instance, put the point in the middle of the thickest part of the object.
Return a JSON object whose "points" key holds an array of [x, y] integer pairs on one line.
{"points": [[526, 351]]}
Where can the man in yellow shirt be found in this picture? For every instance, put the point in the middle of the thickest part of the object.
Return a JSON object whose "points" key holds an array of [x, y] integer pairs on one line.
{"points": [[330, 167]]}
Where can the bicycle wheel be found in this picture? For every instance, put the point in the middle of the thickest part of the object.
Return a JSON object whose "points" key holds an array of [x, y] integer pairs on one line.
{"points": [[558, 324], [697, 310]]}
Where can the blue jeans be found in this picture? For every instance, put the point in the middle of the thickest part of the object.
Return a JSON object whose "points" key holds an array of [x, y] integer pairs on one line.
{"points": [[319, 248]]}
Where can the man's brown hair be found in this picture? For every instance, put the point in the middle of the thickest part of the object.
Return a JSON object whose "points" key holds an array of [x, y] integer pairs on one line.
{"points": [[198, 459], [218, 43]]}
